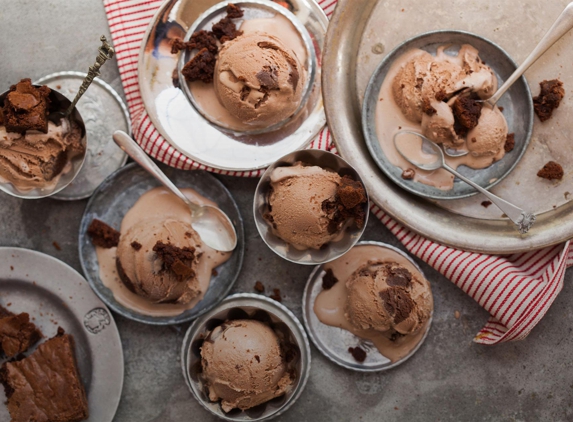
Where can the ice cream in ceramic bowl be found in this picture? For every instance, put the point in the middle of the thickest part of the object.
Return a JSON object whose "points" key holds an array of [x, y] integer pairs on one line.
{"points": [[434, 84], [247, 67], [311, 207]]}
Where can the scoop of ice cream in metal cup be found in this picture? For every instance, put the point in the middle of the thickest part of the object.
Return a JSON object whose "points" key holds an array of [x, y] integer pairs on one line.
{"points": [[255, 72], [60, 167], [262, 312], [337, 242]]}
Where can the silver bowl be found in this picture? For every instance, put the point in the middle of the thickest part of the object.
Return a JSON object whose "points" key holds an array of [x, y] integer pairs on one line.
{"points": [[246, 306], [333, 342], [113, 199], [77, 162], [309, 256], [252, 9], [517, 106]]}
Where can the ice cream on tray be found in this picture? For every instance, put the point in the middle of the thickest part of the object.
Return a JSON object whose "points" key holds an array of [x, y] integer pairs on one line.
{"points": [[309, 206], [245, 364], [438, 97], [156, 264], [35, 152], [378, 295], [248, 78]]}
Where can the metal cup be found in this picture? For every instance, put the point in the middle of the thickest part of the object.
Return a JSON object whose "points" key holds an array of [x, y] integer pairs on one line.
{"points": [[247, 306], [332, 250]]}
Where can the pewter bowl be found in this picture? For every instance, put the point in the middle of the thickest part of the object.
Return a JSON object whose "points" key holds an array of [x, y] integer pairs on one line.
{"points": [[517, 108]]}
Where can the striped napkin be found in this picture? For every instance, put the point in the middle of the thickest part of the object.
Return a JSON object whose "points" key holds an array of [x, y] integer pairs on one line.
{"points": [[517, 290]]}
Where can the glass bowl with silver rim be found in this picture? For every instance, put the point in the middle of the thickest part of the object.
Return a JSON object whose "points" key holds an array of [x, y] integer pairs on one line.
{"points": [[334, 342], [70, 171], [253, 9], [254, 307], [349, 234]]}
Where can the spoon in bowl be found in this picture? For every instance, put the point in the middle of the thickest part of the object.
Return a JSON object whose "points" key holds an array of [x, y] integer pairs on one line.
{"points": [[212, 224], [522, 219]]}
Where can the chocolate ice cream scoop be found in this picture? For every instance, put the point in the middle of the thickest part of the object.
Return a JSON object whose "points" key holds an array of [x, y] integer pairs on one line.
{"points": [[244, 365], [259, 80], [386, 296], [158, 259]]}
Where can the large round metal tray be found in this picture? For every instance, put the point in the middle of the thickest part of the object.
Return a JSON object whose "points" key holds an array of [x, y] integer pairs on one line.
{"points": [[362, 32]]}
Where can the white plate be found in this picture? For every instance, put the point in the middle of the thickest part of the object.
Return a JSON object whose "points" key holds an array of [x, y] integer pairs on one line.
{"points": [[54, 294]]}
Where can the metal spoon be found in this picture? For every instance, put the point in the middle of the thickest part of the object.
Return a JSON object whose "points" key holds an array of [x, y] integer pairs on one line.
{"points": [[559, 28], [522, 219], [212, 224], [106, 53]]}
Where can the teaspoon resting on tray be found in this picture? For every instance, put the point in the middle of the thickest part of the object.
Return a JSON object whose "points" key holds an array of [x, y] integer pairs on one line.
{"points": [[432, 158], [213, 225]]}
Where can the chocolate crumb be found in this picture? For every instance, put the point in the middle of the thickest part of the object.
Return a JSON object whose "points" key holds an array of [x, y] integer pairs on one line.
{"points": [[328, 279], [357, 353], [214, 273], [550, 95], [276, 295], [11, 268], [136, 245], [259, 287], [103, 235], [509, 142], [427, 107], [551, 171], [408, 174], [226, 30], [258, 358], [486, 204], [500, 108], [175, 259], [56, 245], [201, 67]]}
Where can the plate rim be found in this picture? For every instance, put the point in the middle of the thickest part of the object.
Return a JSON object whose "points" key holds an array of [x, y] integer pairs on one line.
{"points": [[162, 320], [420, 216], [111, 329]]}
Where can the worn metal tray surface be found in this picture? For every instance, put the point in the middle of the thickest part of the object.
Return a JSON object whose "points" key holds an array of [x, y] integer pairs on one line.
{"points": [[363, 32]]}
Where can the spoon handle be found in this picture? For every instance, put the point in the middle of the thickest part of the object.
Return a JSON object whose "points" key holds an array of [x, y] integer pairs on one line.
{"points": [[522, 219], [131, 148], [106, 52], [561, 26]]}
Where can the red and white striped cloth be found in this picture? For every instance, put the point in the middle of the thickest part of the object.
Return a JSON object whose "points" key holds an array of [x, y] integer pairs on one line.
{"points": [[517, 290]]}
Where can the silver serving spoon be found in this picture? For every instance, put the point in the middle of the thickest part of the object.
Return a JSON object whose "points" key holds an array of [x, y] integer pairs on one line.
{"points": [[212, 224], [560, 27], [106, 53], [522, 219]]}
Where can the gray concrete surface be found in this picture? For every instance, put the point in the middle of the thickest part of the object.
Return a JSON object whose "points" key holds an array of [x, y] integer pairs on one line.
{"points": [[450, 378]]}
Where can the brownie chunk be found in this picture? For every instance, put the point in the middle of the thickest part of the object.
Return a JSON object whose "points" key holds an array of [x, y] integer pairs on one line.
{"points": [[175, 259], [17, 333], [467, 112], [509, 142], [201, 67], [347, 204], [103, 235], [329, 279], [199, 40], [551, 171], [357, 353], [225, 29], [46, 385], [549, 98], [397, 302], [26, 107]]}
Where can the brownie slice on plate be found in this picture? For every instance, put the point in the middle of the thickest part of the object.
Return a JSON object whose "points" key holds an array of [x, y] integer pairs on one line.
{"points": [[17, 333], [46, 386]]}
